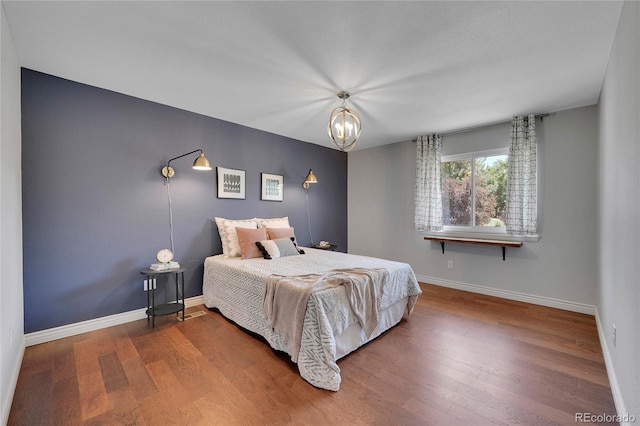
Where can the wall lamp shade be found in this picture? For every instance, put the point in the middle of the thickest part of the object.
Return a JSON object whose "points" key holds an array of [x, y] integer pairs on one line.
{"points": [[311, 178], [344, 125], [200, 163]]}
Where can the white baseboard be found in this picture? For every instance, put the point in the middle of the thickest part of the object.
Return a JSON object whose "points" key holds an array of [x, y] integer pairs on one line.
{"points": [[613, 379], [13, 380], [512, 295], [68, 330]]}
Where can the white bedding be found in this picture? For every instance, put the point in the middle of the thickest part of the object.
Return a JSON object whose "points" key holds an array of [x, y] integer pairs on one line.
{"points": [[330, 331]]}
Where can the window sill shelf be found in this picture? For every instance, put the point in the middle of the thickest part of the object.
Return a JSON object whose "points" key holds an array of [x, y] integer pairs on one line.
{"points": [[493, 236], [485, 241]]}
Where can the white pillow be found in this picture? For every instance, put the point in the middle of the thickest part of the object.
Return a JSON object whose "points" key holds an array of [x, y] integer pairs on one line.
{"points": [[277, 222], [281, 247], [229, 236]]}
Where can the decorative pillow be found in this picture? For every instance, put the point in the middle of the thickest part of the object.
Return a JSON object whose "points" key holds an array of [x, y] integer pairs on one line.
{"points": [[228, 235], [281, 247], [247, 239], [278, 222], [275, 233]]}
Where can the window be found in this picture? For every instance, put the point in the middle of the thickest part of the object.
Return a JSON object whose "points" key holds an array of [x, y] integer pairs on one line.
{"points": [[474, 187]]}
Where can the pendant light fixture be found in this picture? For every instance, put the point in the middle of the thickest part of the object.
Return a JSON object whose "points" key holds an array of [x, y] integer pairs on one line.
{"points": [[344, 125]]}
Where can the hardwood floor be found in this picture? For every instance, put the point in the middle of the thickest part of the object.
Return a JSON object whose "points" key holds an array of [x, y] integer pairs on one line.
{"points": [[461, 358]]}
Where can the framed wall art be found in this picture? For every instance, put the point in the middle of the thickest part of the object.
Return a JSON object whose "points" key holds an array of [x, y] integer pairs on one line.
{"points": [[272, 187], [231, 183]]}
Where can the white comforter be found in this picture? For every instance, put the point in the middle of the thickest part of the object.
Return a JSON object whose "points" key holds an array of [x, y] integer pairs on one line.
{"points": [[236, 287]]}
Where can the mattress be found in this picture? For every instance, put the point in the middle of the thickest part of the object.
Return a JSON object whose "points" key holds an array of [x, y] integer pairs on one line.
{"points": [[330, 330]]}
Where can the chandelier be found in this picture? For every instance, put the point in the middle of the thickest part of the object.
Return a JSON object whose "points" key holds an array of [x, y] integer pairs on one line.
{"points": [[344, 125]]}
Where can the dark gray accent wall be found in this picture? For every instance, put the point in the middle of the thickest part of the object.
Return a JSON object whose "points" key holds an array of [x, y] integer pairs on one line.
{"points": [[95, 206]]}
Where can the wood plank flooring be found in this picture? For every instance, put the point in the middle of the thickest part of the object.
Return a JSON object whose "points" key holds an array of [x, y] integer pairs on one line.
{"points": [[461, 359]]}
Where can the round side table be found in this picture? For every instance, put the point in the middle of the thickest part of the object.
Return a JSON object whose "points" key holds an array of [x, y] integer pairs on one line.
{"points": [[154, 310]]}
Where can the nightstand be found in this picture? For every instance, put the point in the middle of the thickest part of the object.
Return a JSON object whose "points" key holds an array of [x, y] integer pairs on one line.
{"points": [[154, 310]]}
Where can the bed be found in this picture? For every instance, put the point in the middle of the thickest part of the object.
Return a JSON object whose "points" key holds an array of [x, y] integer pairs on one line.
{"points": [[330, 329]]}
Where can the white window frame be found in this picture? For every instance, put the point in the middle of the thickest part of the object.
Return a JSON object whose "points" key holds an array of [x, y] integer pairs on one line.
{"points": [[474, 231]]}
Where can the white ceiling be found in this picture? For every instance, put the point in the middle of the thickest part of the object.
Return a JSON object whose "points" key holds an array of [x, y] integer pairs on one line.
{"points": [[412, 67]]}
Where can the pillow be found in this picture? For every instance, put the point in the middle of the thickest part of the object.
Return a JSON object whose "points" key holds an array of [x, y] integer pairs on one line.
{"points": [[247, 240], [228, 235], [278, 222], [275, 233], [281, 247]]}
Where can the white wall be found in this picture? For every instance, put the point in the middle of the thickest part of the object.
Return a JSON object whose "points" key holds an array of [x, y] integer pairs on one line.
{"points": [[619, 208], [561, 266], [11, 304]]}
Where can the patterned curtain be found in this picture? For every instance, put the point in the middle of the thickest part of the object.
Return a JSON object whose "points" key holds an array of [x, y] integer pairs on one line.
{"points": [[428, 195], [522, 208]]}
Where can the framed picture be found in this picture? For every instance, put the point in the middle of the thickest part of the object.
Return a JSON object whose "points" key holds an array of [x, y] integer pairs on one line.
{"points": [[231, 183], [272, 187]]}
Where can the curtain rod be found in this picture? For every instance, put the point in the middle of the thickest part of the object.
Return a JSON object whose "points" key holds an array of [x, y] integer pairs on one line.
{"points": [[469, 129]]}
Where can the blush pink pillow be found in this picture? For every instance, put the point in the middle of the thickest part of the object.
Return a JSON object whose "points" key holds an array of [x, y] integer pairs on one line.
{"points": [[247, 239], [275, 233]]}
